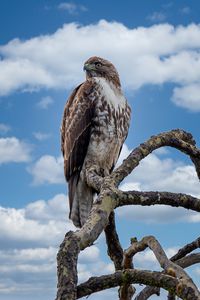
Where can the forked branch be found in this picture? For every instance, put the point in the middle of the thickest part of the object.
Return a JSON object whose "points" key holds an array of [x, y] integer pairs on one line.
{"points": [[108, 199]]}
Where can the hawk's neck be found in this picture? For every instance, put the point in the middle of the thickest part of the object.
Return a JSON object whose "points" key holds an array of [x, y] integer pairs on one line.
{"points": [[112, 94]]}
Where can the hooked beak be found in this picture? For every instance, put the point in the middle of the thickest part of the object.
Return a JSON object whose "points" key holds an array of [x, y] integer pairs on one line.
{"points": [[88, 67]]}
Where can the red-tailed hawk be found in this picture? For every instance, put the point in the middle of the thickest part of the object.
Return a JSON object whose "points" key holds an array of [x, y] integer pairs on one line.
{"points": [[95, 124]]}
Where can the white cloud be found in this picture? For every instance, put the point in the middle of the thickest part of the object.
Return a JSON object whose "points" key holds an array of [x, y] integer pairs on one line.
{"points": [[4, 128], [130, 186], [28, 230], [157, 214], [45, 102], [39, 223], [14, 150], [30, 76], [89, 255], [29, 244], [160, 174], [29, 255], [41, 136], [157, 173], [188, 96], [55, 208], [48, 169], [154, 173], [72, 8], [153, 55]]}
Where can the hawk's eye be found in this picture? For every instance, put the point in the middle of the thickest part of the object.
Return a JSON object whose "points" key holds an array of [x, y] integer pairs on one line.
{"points": [[98, 64]]}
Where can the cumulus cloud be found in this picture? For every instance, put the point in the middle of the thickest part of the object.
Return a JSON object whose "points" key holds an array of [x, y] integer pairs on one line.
{"points": [[29, 240], [157, 214], [45, 102], [160, 174], [188, 96], [29, 243], [47, 169], [40, 223], [152, 55], [14, 150], [156, 172]]}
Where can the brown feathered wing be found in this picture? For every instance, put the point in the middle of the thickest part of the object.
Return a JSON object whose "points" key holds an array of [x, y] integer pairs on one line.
{"points": [[75, 134]]}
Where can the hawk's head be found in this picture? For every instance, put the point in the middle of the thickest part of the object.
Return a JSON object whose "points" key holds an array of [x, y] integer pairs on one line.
{"points": [[99, 67]]}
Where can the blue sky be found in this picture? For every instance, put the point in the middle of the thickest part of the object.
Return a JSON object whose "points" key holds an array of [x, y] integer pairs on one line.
{"points": [[43, 45]]}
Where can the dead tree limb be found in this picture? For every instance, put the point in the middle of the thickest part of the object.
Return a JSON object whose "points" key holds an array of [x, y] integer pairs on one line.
{"points": [[168, 266], [180, 259], [109, 198], [153, 198], [186, 249], [178, 139], [95, 284]]}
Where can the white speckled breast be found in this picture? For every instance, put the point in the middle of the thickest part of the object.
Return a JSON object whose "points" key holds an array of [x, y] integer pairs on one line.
{"points": [[110, 125]]}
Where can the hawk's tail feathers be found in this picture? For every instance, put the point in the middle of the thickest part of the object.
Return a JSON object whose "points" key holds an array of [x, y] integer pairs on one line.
{"points": [[72, 183], [81, 203]]}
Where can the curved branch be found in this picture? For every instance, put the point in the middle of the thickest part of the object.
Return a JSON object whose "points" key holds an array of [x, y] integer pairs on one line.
{"points": [[152, 198], [169, 267], [96, 284], [186, 249], [188, 260], [109, 199], [181, 260], [178, 139], [184, 262], [147, 292]]}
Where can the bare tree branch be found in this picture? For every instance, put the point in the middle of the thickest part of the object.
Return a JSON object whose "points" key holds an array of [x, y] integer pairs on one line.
{"points": [[183, 261], [178, 139], [109, 198], [186, 249], [169, 267], [188, 260], [152, 198], [95, 284], [147, 292]]}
